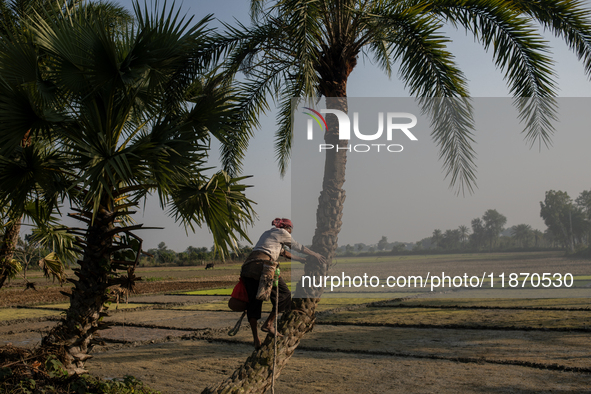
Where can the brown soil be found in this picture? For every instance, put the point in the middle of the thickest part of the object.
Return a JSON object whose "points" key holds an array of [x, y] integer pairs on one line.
{"points": [[177, 349], [189, 366]]}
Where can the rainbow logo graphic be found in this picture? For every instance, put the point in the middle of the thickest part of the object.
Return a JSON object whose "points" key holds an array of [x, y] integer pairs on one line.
{"points": [[317, 117]]}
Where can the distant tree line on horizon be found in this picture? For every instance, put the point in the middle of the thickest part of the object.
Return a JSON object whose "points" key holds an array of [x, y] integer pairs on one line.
{"points": [[192, 256], [568, 224]]}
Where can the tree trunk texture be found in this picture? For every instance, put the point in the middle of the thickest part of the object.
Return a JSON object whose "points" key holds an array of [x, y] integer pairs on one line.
{"points": [[7, 248], [332, 196], [73, 337], [255, 376]]}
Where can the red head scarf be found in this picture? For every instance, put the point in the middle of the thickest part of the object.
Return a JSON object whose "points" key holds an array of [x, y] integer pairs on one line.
{"points": [[282, 223]]}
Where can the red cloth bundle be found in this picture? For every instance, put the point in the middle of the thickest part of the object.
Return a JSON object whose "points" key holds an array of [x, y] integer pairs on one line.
{"points": [[239, 291]]}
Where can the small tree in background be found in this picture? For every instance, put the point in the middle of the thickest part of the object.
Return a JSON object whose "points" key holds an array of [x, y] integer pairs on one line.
{"points": [[382, 243], [493, 225]]}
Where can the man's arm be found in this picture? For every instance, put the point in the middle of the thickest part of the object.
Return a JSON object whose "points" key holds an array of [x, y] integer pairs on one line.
{"points": [[305, 250], [293, 244], [290, 256]]}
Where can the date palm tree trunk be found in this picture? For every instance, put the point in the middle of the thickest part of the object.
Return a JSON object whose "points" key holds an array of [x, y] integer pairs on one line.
{"points": [[255, 376], [9, 241], [332, 196]]}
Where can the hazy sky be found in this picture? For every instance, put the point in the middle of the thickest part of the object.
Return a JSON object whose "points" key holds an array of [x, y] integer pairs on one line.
{"points": [[404, 196], [409, 197]]}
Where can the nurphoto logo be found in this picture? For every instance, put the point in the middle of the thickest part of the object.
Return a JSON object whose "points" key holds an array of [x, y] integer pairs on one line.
{"points": [[394, 123]]}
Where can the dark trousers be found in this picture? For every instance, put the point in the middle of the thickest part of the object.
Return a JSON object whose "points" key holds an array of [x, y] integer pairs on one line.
{"points": [[255, 306]]}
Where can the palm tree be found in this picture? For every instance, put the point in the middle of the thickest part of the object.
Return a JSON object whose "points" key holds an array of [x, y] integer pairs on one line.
{"points": [[437, 238], [478, 236], [493, 225], [127, 113], [538, 237], [8, 266], [522, 234], [12, 17], [464, 233], [308, 49]]}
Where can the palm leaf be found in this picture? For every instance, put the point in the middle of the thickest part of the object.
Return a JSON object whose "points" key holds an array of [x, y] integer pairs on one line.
{"points": [[218, 203], [53, 268], [518, 51], [11, 268]]}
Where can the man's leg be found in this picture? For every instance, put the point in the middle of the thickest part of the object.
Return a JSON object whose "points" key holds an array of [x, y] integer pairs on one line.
{"points": [[255, 332], [284, 304], [253, 310], [268, 325]]}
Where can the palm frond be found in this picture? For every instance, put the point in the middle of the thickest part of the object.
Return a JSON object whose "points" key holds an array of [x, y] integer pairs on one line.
{"points": [[218, 203], [10, 268], [33, 173], [273, 63], [58, 239], [53, 268], [428, 70], [569, 19], [518, 51], [216, 111]]}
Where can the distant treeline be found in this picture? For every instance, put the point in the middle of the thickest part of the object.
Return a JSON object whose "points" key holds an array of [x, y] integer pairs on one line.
{"points": [[162, 256], [568, 228]]}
